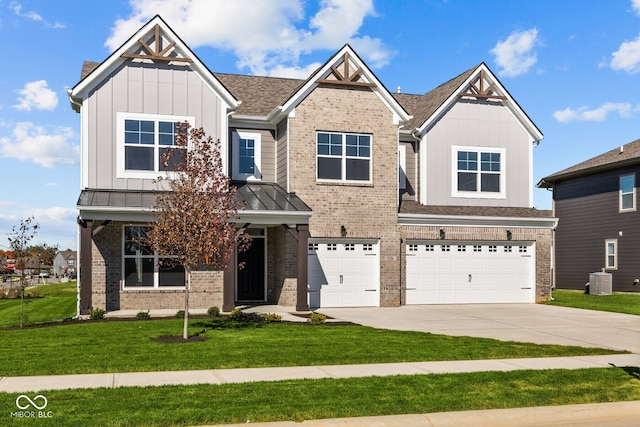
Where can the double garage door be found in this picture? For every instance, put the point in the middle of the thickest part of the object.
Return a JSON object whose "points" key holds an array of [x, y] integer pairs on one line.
{"points": [[469, 273], [344, 273]]}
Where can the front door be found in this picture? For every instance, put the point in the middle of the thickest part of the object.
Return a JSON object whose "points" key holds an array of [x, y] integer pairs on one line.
{"points": [[251, 276]]}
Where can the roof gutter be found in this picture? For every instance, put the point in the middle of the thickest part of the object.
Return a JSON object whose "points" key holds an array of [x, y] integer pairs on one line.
{"points": [[476, 221], [75, 104]]}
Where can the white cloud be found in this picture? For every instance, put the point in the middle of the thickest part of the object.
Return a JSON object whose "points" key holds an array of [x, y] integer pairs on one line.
{"points": [[17, 9], [515, 55], [36, 95], [271, 36], [635, 5], [29, 142], [584, 114], [627, 57]]}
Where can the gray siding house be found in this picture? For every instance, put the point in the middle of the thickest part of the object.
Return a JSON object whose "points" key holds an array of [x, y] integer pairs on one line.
{"points": [[599, 226], [354, 196]]}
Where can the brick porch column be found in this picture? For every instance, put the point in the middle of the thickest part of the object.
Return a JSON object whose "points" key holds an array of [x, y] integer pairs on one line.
{"points": [[86, 262]]}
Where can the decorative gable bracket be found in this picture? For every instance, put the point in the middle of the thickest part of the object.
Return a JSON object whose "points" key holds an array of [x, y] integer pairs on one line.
{"points": [[480, 88], [156, 53], [346, 77]]}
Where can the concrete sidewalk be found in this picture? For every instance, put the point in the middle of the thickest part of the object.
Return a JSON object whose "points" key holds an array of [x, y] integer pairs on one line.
{"points": [[228, 376]]}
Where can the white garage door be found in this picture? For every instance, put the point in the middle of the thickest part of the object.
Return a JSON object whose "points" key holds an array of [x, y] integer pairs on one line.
{"points": [[344, 273], [469, 273]]}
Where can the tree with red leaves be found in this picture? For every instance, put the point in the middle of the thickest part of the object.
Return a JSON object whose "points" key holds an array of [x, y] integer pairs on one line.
{"points": [[193, 214]]}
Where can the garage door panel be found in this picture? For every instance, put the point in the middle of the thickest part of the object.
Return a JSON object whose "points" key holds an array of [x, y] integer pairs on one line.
{"points": [[343, 273], [469, 273]]}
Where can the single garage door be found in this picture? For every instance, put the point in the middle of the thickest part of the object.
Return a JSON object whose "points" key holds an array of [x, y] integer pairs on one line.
{"points": [[344, 273], [470, 273]]}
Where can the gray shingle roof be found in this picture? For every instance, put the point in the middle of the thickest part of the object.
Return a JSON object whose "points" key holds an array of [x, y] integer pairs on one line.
{"points": [[411, 207], [609, 160]]}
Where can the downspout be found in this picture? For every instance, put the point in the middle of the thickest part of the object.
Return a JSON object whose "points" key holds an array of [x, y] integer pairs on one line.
{"points": [[75, 104]]}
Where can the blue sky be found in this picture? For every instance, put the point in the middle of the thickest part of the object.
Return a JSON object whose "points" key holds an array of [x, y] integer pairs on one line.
{"points": [[573, 66]]}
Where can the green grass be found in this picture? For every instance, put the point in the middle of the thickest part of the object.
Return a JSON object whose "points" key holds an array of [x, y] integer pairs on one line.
{"points": [[618, 302], [58, 303], [130, 346], [299, 400]]}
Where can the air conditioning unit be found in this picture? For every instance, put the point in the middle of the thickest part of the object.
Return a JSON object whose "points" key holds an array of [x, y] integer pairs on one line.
{"points": [[600, 283]]}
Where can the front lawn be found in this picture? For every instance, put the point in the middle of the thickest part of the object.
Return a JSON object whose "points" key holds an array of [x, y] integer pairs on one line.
{"points": [[132, 346], [55, 302], [299, 400], [618, 302]]}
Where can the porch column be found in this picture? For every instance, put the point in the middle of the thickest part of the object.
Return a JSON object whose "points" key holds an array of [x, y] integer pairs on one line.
{"points": [[228, 287], [86, 264], [302, 303]]}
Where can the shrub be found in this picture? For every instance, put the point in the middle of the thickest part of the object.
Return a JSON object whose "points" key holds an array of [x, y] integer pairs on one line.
{"points": [[240, 316], [96, 313], [271, 317], [180, 314], [213, 311], [143, 315], [317, 319]]}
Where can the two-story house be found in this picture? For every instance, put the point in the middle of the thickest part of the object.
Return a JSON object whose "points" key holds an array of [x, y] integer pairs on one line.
{"points": [[599, 227], [354, 196], [65, 262]]}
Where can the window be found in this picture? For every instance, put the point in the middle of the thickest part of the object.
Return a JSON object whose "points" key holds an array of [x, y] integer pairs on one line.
{"points": [[343, 156], [143, 268], [142, 141], [246, 161], [611, 248], [478, 172], [628, 193]]}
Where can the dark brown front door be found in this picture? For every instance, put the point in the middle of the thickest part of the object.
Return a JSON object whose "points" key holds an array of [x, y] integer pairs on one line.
{"points": [[251, 277]]}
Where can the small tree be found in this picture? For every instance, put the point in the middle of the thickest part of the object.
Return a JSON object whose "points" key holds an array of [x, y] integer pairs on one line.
{"points": [[192, 217], [19, 239]]}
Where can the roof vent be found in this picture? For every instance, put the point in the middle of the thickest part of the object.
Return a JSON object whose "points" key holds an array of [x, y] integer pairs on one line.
{"points": [[621, 149], [398, 89]]}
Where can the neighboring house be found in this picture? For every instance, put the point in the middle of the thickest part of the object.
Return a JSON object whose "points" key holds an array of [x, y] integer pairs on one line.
{"points": [[65, 262], [599, 226], [355, 196]]}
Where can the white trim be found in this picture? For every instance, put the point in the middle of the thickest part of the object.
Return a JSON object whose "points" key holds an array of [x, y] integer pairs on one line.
{"points": [[475, 221], [607, 242], [84, 145], [478, 194], [402, 167], [156, 276], [257, 159], [620, 194], [121, 172], [422, 165]]}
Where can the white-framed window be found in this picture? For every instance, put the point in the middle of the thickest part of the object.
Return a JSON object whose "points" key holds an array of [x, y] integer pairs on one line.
{"points": [[142, 268], [247, 156], [343, 157], [628, 193], [611, 254], [478, 172], [142, 140]]}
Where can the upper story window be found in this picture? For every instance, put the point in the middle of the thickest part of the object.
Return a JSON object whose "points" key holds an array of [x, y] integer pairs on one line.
{"points": [[246, 160], [343, 156], [143, 268], [142, 141], [628, 192], [478, 172]]}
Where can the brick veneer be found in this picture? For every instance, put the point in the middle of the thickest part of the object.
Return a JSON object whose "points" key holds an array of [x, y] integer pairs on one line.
{"points": [[367, 211], [206, 285]]}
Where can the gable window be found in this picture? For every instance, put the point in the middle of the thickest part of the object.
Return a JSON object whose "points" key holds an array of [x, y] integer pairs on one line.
{"points": [[628, 192], [142, 141], [343, 156], [478, 172], [246, 156], [143, 268], [611, 248]]}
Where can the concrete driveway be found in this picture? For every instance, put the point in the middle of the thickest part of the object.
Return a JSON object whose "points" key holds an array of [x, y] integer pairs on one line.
{"points": [[536, 323]]}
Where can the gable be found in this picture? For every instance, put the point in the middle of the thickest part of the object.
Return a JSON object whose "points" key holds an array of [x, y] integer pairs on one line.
{"points": [[155, 43], [346, 69]]}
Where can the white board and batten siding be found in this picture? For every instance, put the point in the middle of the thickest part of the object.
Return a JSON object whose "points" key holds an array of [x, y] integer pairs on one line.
{"points": [[344, 273], [452, 272]]}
